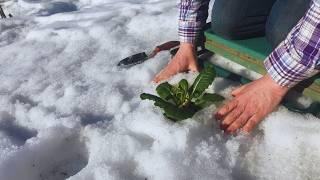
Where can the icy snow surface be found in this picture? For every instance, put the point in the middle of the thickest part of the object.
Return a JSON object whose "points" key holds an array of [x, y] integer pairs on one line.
{"points": [[67, 111]]}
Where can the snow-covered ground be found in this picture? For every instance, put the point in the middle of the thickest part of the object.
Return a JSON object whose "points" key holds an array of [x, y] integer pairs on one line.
{"points": [[67, 111]]}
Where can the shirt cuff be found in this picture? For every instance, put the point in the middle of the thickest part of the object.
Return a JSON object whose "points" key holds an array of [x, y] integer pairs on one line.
{"points": [[188, 31], [284, 67]]}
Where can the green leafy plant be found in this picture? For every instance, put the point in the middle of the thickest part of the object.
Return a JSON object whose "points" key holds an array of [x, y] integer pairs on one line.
{"points": [[181, 101]]}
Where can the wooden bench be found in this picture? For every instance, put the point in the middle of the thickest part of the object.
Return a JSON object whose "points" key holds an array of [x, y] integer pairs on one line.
{"points": [[251, 53]]}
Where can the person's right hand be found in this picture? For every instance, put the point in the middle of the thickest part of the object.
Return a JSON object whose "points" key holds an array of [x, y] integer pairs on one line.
{"points": [[185, 60]]}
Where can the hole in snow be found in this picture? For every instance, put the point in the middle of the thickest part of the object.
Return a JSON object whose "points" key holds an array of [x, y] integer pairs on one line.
{"points": [[56, 154], [17, 134], [74, 157], [22, 99], [57, 7], [90, 118]]}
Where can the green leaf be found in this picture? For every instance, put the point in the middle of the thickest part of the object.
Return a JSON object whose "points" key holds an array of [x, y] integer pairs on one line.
{"points": [[183, 85], [202, 82], [182, 93], [171, 111], [167, 92], [178, 114], [208, 99], [158, 101], [179, 94]]}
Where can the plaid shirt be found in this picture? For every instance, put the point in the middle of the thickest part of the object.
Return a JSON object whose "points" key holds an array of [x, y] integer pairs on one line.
{"points": [[295, 59]]}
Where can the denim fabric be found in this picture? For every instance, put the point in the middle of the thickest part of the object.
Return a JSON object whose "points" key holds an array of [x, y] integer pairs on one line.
{"points": [[242, 19], [283, 17]]}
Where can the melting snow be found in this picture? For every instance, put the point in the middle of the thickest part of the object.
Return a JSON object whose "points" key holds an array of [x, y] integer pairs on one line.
{"points": [[67, 111]]}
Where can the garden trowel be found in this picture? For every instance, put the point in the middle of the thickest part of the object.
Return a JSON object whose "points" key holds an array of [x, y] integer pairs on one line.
{"points": [[143, 56]]}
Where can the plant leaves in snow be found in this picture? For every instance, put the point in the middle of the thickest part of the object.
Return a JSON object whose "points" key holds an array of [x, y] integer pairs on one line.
{"points": [[182, 93], [181, 102], [202, 82], [171, 111], [166, 91]]}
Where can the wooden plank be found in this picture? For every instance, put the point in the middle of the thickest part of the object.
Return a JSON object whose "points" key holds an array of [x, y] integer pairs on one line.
{"points": [[251, 54]]}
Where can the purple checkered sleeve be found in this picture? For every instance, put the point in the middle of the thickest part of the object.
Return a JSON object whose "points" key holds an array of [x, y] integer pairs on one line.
{"points": [[297, 57], [192, 17]]}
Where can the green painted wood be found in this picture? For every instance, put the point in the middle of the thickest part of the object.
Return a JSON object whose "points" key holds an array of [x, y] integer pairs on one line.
{"points": [[251, 53], [258, 47]]}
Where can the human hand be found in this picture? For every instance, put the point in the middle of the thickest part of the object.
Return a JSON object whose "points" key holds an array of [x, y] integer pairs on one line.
{"points": [[250, 105], [185, 60]]}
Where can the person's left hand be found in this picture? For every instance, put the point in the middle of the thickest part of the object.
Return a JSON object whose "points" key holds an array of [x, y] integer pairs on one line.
{"points": [[251, 103]]}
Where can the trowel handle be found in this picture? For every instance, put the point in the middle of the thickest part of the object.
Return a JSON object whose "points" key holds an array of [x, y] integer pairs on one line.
{"points": [[168, 45], [164, 47]]}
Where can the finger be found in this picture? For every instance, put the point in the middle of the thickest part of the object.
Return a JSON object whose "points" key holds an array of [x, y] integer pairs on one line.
{"points": [[170, 70], [226, 109], [251, 123], [156, 79], [231, 117], [239, 122], [163, 75], [238, 90], [194, 68]]}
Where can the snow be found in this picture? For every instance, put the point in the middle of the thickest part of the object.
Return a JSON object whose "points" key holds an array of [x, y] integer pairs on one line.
{"points": [[67, 111]]}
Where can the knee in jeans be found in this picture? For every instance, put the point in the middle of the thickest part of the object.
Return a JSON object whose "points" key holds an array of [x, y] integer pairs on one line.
{"points": [[275, 37]]}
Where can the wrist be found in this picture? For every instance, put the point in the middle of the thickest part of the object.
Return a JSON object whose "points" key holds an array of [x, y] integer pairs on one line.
{"points": [[276, 88], [187, 47]]}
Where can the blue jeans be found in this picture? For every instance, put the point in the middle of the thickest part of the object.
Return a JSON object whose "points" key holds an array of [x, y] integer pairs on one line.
{"points": [[242, 19]]}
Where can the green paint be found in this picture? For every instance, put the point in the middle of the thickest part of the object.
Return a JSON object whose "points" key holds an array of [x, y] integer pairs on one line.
{"points": [[251, 53]]}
